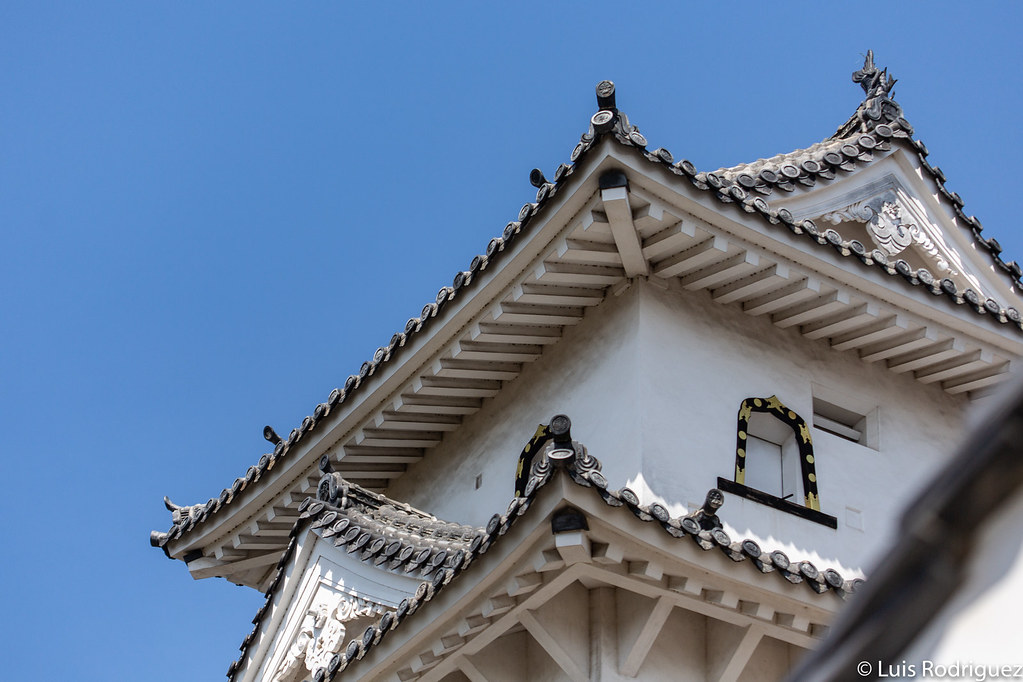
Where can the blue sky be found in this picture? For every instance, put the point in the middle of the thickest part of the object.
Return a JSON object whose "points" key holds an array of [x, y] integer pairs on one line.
{"points": [[212, 213]]}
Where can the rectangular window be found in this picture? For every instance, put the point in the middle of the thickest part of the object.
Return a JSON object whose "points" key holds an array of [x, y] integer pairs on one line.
{"points": [[858, 426]]}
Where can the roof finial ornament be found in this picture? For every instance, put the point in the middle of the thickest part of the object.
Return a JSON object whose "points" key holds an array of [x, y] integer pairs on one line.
{"points": [[875, 82], [271, 435], [606, 95], [707, 515]]}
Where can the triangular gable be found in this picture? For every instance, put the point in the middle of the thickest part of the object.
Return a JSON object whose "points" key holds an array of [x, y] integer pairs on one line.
{"points": [[618, 211], [915, 216], [567, 529]]}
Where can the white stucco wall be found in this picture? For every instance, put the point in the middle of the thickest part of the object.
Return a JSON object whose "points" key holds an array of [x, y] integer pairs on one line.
{"points": [[653, 380], [592, 375], [701, 360]]}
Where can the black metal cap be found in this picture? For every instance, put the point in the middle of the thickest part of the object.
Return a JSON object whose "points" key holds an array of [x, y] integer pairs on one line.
{"points": [[613, 178], [567, 520]]}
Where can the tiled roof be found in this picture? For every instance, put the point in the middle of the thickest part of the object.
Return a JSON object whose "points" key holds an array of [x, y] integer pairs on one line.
{"points": [[440, 551], [866, 133], [877, 123]]}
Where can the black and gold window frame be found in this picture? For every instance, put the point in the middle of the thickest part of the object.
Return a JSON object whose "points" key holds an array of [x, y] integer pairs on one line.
{"points": [[772, 406]]}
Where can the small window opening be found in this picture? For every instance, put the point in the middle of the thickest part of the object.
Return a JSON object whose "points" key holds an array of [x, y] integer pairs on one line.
{"points": [[858, 427], [774, 461], [479, 481]]}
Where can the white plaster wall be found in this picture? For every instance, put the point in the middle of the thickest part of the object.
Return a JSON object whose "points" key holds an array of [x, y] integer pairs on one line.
{"points": [[591, 375], [653, 380], [701, 360]]}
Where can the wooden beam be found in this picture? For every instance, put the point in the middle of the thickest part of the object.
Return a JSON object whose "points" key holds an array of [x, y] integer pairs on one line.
{"points": [[249, 542], [210, 567], [878, 333], [396, 438], [470, 670], [495, 332], [553, 647], [787, 296], [898, 343], [671, 239], [692, 259], [730, 269], [536, 313], [647, 636], [774, 277], [989, 377], [589, 252], [965, 364], [436, 404], [742, 654], [926, 357], [420, 422], [574, 274], [851, 318], [619, 214], [534, 292], [813, 310]]}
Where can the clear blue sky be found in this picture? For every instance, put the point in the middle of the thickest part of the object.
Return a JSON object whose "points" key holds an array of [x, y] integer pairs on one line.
{"points": [[212, 213]]}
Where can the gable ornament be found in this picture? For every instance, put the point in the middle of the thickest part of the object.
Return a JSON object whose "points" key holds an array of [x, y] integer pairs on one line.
{"points": [[892, 229], [321, 636]]}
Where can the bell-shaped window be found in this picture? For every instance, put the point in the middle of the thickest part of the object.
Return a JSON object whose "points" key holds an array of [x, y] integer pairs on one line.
{"points": [[774, 460]]}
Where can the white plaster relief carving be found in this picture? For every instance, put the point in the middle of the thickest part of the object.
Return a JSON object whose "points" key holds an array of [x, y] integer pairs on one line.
{"points": [[857, 213], [896, 222], [889, 232], [322, 635]]}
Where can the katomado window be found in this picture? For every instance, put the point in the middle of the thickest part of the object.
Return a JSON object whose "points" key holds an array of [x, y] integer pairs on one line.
{"points": [[774, 460]]}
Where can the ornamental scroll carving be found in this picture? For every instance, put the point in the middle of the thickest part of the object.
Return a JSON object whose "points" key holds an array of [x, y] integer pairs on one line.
{"points": [[321, 635], [893, 228]]}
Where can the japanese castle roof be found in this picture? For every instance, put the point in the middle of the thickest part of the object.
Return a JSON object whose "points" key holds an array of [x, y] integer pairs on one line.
{"points": [[749, 195]]}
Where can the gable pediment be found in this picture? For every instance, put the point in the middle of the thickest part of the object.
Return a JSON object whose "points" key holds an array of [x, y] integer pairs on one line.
{"points": [[890, 211]]}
